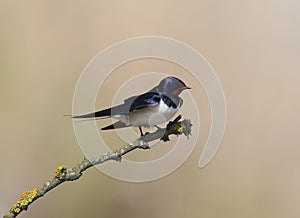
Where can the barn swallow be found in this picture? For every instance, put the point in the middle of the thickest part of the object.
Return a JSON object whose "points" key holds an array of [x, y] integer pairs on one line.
{"points": [[152, 108]]}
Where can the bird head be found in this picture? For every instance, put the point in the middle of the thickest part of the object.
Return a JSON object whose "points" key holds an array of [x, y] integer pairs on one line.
{"points": [[172, 86]]}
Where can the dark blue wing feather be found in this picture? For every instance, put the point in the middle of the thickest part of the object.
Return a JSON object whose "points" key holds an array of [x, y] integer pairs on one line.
{"points": [[148, 99], [122, 109], [130, 104]]}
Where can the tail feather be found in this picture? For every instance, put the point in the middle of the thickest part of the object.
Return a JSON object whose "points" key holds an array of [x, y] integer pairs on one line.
{"points": [[116, 125], [102, 113]]}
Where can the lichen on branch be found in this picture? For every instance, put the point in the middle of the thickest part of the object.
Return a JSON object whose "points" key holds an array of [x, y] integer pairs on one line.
{"points": [[63, 174]]}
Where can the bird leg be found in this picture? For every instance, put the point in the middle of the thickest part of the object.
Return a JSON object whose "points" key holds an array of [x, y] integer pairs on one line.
{"points": [[141, 131]]}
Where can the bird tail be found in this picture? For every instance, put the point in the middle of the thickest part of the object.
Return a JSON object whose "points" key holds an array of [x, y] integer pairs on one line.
{"points": [[116, 125], [102, 113]]}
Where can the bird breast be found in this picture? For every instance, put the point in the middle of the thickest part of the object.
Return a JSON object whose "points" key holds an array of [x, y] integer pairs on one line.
{"points": [[152, 116]]}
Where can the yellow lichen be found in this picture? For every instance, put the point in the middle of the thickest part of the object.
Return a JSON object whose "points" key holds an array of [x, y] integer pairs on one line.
{"points": [[59, 171], [179, 127], [27, 197], [15, 209]]}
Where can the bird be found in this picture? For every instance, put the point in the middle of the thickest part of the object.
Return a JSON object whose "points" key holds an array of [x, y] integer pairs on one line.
{"points": [[149, 109]]}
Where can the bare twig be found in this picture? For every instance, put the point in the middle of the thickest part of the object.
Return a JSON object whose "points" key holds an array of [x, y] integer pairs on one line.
{"points": [[63, 174]]}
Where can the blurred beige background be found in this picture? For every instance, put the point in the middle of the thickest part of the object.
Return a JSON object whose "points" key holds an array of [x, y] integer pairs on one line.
{"points": [[252, 45]]}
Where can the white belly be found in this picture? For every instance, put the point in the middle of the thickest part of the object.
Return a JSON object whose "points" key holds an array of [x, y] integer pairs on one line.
{"points": [[152, 116]]}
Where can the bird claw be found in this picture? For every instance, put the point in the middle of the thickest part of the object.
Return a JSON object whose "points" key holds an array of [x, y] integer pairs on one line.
{"points": [[117, 157], [165, 138], [144, 145]]}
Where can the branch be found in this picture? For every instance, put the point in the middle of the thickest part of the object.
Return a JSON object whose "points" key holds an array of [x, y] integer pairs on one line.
{"points": [[62, 174]]}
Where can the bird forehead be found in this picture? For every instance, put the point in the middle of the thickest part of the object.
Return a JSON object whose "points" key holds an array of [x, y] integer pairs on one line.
{"points": [[177, 80]]}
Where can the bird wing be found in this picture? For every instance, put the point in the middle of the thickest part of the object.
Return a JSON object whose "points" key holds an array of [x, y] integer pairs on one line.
{"points": [[122, 109], [134, 103], [148, 99]]}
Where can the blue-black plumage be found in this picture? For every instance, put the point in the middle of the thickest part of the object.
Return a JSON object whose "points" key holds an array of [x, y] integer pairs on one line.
{"points": [[140, 110]]}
